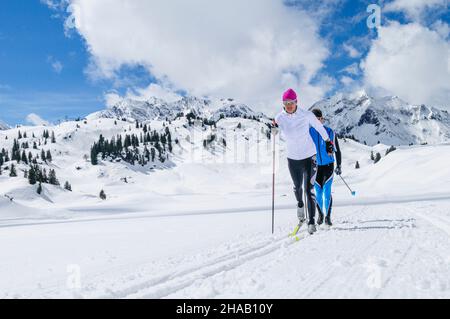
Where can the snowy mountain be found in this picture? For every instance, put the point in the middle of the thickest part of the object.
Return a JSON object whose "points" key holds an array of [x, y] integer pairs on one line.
{"points": [[388, 120], [158, 109], [4, 126]]}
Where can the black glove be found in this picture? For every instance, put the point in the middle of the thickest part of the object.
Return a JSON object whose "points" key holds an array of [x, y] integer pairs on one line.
{"points": [[338, 171], [330, 147]]}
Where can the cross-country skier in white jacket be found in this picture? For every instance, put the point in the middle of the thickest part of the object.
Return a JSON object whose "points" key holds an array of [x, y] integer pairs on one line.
{"points": [[294, 124]]}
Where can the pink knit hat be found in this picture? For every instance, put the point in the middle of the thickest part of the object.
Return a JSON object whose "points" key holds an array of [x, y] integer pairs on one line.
{"points": [[290, 95]]}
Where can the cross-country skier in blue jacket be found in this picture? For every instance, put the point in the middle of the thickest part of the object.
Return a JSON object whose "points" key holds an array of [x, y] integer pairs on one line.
{"points": [[325, 168]]}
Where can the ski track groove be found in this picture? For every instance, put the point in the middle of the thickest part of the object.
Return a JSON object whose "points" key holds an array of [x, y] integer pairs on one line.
{"points": [[358, 269], [180, 282], [230, 260], [437, 222], [237, 258], [183, 277], [393, 272], [315, 288], [303, 237]]}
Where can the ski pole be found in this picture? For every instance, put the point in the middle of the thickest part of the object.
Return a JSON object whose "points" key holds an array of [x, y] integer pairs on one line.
{"points": [[273, 185], [353, 192]]}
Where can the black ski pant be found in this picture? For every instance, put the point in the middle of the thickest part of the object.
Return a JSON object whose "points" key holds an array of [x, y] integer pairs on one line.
{"points": [[303, 173]]}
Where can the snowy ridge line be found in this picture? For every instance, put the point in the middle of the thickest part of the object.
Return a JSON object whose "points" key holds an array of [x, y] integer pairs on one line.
{"points": [[339, 203], [165, 285], [144, 215]]}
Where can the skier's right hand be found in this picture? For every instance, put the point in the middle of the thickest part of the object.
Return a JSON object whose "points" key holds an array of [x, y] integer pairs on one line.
{"points": [[274, 128]]}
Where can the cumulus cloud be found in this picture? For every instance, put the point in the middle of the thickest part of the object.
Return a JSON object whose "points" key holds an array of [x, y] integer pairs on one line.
{"points": [[442, 28], [415, 9], [36, 120], [346, 80], [411, 61], [251, 50]]}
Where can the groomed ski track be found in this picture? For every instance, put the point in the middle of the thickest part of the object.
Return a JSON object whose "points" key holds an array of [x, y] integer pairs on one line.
{"points": [[396, 249]]}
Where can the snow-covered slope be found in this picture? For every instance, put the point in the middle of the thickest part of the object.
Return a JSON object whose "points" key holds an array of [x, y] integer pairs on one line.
{"points": [[388, 120], [203, 230], [198, 225], [228, 140]]}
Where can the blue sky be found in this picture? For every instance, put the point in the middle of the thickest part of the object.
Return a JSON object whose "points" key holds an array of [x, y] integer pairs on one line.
{"points": [[43, 70], [30, 42]]}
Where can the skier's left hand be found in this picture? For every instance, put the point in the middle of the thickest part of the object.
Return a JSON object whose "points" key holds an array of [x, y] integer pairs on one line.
{"points": [[338, 171]]}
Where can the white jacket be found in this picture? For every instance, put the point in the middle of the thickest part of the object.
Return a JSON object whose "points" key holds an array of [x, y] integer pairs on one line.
{"points": [[295, 130]]}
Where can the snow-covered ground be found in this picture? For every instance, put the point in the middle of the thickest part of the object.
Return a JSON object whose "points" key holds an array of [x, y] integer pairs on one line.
{"points": [[202, 228]]}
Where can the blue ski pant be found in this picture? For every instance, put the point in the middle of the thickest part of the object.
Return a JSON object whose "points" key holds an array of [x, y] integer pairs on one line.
{"points": [[323, 183]]}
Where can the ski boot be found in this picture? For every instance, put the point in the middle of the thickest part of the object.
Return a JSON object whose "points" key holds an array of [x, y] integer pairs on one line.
{"points": [[320, 219], [328, 222], [312, 229]]}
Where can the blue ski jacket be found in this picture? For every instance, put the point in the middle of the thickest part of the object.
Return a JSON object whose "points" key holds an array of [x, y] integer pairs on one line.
{"points": [[322, 156]]}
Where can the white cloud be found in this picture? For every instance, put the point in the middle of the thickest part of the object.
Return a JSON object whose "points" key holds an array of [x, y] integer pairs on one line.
{"points": [[352, 69], [346, 80], [251, 50], [351, 50], [442, 28], [112, 98], [56, 65], [410, 61], [415, 9], [52, 4], [55, 4], [36, 120]]}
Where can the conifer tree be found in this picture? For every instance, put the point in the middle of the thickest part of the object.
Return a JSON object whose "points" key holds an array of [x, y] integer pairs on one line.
{"points": [[39, 189], [12, 171], [67, 186]]}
